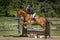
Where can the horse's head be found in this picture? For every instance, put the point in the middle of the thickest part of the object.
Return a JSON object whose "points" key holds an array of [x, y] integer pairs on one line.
{"points": [[18, 13], [21, 12]]}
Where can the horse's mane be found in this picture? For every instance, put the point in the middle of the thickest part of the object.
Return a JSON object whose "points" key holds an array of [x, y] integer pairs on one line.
{"points": [[24, 9]]}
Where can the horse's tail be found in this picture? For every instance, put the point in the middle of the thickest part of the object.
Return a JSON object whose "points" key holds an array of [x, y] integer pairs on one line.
{"points": [[47, 29]]}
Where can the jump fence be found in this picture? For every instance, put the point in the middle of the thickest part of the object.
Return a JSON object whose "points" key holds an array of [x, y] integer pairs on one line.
{"points": [[11, 24]]}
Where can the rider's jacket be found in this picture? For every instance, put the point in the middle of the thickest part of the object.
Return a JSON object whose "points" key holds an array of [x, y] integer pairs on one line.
{"points": [[30, 10]]}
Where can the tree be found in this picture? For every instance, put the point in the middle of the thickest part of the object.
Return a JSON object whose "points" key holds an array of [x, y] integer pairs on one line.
{"points": [[10, 7]]}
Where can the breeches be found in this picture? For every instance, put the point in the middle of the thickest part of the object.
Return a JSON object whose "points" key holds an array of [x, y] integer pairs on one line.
{"points": [[33, 15]]}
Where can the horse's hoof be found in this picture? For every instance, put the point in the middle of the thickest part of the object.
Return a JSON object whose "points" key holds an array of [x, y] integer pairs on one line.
{"points": [[41, 36], [35, 36]]}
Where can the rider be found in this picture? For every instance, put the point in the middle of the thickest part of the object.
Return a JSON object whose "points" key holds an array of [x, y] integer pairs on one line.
{"points": [[31, 11]]}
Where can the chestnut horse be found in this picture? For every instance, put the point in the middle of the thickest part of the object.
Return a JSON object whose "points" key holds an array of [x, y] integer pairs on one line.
{"points": [[27, 19]]}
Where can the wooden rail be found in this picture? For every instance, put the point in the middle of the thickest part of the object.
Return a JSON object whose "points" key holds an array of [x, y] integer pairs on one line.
{"points": [[13, 18]]}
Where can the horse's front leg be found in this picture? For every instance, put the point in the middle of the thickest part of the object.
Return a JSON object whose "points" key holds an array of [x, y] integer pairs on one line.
{"points": [[24, 29]]}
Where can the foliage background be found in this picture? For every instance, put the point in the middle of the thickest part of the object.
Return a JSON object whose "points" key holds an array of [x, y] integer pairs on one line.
{"points": [[44, 8]]}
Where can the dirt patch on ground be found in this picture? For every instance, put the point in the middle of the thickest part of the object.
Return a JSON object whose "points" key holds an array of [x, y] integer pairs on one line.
{"points": [[26, 38]]}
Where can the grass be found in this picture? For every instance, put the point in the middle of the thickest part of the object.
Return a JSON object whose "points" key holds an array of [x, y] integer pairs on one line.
{"points": [[55, 33], [5, 25]]}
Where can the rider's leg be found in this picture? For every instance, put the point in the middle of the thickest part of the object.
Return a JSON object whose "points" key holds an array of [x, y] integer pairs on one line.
{"points": [[33, 15]]}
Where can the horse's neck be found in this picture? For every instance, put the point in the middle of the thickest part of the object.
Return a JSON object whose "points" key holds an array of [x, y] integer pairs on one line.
{"points": [[24, 12]]}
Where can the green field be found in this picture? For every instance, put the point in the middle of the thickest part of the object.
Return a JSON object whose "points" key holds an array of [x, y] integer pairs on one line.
{"points": [[10, 27]]}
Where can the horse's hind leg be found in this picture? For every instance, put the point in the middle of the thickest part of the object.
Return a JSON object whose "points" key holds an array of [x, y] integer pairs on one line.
{"points": [[48, 29]]}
